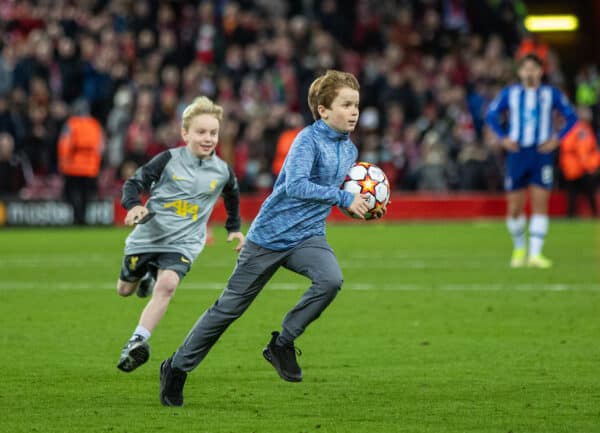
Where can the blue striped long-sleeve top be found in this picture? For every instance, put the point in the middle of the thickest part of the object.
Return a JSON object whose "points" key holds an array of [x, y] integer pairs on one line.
{"points": [[530, 113], [306, 188]]}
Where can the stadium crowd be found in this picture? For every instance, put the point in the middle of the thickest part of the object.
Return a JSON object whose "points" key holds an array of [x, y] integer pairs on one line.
{"points": [[427, 68]]}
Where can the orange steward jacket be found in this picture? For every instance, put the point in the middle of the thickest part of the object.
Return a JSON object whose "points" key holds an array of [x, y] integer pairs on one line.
{"points": [[80, 147], [579, 152]]}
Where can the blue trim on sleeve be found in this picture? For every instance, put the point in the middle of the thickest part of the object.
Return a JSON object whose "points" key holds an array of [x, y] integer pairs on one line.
{"points": [[566, 110], [496, 107]]}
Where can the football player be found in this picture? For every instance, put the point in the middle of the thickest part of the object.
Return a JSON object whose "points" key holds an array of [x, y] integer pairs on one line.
{"points": [[529, 141]]}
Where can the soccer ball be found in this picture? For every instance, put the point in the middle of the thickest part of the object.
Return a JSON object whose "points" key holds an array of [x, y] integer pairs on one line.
{"points": [[366, 178]]}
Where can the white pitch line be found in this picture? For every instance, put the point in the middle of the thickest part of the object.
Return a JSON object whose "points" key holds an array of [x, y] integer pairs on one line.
{"points": [[382, 264], [398, 260], [212, 285]]}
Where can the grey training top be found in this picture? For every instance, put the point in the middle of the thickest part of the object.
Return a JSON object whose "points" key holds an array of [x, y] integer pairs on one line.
{"points": [[183, 192]]}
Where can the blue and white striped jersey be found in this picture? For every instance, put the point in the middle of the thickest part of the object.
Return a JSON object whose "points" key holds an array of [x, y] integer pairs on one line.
{"points": [[530, 114]]}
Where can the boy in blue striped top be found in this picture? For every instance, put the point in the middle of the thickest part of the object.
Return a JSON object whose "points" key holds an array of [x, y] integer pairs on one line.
{"points": [[529, 142], [288, 231]]}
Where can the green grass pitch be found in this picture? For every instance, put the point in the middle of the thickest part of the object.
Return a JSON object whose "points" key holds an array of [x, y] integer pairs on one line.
{"points": [[432, 332]]}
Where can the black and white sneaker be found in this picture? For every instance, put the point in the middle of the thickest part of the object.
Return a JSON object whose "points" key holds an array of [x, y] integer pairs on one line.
{"points": [[146, 286], [283, 358], [171, 384], [135, 353]]}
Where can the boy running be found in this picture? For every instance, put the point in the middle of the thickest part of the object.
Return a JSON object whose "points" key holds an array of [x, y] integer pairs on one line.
{"points": [[184, 185], [288, 231]]}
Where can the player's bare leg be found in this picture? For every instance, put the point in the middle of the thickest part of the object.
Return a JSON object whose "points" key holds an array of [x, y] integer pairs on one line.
{"points": [[516, 223], [164, 289], [538, 227], [126, 288], [142, 287], [137, 350]]}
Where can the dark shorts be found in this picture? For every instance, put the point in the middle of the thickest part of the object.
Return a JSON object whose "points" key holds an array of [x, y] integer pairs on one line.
{"points": [[135, 266], [528, 167]]}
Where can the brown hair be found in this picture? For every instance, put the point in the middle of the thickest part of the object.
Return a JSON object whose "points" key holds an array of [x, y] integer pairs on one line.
{"points": [[325, 88]]}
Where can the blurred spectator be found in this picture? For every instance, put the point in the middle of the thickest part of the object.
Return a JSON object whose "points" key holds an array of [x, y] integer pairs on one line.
{"points": [[34, 62], [579, 161], [256, 162], [79, 156], [238, 156], [6, 117], [509, 15], [432, 173], [473, 168], [455, 15], [587, 91], [425, 66], [15, 171], [39, 139], [117, 126], [588, 86], [295, 123], [140, 136], [7, 66], [71, 70]]}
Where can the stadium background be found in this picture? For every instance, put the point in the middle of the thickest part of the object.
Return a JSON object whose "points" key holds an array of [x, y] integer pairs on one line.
{"points": [[431, 333], [428, 69]]}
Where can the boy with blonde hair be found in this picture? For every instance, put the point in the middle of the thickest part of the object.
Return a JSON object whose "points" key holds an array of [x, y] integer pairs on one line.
{"points": [[288, 231], [184, 185]]}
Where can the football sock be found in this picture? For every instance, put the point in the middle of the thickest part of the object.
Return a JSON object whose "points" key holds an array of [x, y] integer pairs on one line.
{"points": [[538, 227], [516, 228], [142, 332]]}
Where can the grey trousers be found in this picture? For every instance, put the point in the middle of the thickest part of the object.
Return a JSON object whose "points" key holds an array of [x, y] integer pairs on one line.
{"points": [[255, 266]]}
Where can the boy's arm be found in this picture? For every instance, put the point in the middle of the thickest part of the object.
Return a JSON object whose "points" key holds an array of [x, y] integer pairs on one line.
{"points": [[231, 197], [498, 105], [143, 179], [297, 184]]}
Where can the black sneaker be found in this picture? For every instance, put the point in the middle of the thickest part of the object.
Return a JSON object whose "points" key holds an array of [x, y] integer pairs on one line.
{"points": [[146, 286], [283, 358], [171, 384], [135, 353]]}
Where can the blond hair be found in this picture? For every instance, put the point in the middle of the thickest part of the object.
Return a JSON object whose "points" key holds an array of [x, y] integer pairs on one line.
{"points": [[200, 105], [325, 88]]}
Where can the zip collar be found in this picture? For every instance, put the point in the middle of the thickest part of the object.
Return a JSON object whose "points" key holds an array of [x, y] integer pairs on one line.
{"points": [[322, 127], [196, 160]]}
